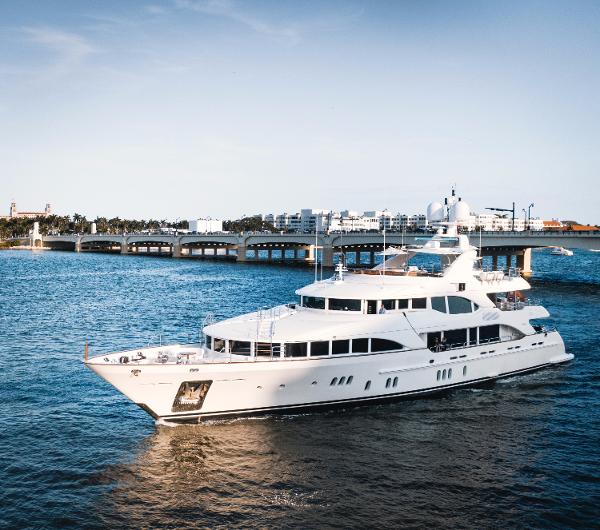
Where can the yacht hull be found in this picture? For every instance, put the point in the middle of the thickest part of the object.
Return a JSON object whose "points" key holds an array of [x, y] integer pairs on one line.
{"points": [[295, 386]]}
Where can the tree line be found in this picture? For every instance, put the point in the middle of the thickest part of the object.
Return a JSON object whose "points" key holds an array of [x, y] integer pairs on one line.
{"points": [[78, 224]]}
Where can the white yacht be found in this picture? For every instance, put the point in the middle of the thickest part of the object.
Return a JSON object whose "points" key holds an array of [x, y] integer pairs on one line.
{"points": [[360, 337], [561, 251]]}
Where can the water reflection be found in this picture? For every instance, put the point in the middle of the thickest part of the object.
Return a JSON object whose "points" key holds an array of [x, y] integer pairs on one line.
{"points": [[430, 462]]}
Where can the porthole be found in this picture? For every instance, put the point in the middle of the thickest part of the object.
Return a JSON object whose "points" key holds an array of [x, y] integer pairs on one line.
{"points": [[395, 384], [367, 385], [388, 382], [333, 381], [464, 370], [439, 375], [350, 378]]}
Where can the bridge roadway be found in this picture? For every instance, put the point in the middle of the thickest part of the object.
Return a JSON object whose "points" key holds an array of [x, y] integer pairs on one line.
{"points": [[300, 248]]}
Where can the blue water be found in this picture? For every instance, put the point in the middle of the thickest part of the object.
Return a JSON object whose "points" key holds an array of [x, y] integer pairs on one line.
{"points": [[75, 453]]}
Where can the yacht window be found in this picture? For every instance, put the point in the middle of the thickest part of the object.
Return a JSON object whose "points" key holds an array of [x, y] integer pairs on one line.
{"points": [[239, 347], [489, 333], [219, 344], [464, 370], [455, 338], [472, 336], [262, 349], [296, 349], [208, 341], [439, 374], [319, 348], [342, 304], [402, 304], [313, 302], [438, 303], [349, 382], [458, 304], [340, 346], [342, 380], [360, 345], [434, 341], [388, 382], [389, 304], [333, 382], [419, 303], [395, 383], [371, 307], [462, 286], [475, 306], [449, 373], [367, 385], [384, 345]]}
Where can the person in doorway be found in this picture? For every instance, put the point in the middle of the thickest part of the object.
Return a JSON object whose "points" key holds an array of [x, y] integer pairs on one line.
{"points": [[382, 310]]}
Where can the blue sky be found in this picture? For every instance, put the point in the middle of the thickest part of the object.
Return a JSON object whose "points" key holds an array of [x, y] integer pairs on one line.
{"points": [[182, 108]]}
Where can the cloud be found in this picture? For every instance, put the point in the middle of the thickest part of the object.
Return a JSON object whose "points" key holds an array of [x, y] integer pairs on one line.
{"points": [[231, 10], [70, 49]]}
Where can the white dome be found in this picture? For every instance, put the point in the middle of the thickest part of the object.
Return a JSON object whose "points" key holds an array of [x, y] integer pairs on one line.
{"points": [[460, 212], [435, 212]]}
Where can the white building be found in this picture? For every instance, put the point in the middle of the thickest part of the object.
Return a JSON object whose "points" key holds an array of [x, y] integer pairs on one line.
{"points": [[203, 226]]}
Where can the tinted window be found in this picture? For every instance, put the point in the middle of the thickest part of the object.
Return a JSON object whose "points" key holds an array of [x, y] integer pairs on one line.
{"points": [[455, 337], [434, 340], [239, 346], [218, 344], [263, 349], [458, 304], [489, 333], [402, 304], [296, 349], [439, 303], [341, 304], [313, 302], [360, 345], [371, 307], [389, 304], [319, 348], [419, 303], [208, 341], [384, 345], [340, 346], [472, 336]]}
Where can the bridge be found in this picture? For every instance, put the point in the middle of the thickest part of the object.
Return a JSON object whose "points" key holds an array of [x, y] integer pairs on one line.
{"points": [[303, 248]]}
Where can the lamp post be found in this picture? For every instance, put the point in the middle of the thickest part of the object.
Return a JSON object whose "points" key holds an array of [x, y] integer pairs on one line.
{"points": [[529, 216]]}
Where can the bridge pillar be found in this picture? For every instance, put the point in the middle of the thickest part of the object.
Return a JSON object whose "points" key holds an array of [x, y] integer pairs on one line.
{"points": [[372, 258], [495, 262], [357, 257], [309, 253], [508, 261], [78, 245], [176, 250], [524, 262], [327, 256], [295, 250], [124, 246], [242, 251]]}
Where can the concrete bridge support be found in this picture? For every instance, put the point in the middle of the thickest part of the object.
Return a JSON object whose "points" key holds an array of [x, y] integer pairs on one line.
{"points": [[327, 256], [524, 262]]}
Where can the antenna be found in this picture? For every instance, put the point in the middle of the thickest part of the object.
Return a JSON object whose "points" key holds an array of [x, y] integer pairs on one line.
{"points": [[384, 258], [316, 256]]}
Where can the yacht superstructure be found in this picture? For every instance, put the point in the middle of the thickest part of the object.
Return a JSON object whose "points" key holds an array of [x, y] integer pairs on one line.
{"points": [[360, 337]]}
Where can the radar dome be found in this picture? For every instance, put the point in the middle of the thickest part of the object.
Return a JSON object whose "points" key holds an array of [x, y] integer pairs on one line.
{"points": [[460, 212], [435, 212]]}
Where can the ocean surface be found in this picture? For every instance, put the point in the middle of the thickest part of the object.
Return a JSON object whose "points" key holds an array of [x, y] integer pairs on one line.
{"points": [[74, 453]]}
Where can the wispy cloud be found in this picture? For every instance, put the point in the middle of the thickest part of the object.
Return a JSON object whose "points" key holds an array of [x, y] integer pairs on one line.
{"points": [[70, 49], [233, 11]]}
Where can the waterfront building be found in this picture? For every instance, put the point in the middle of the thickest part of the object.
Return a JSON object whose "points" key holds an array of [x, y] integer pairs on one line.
{"points": [[203, 226], [14, 214]]}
